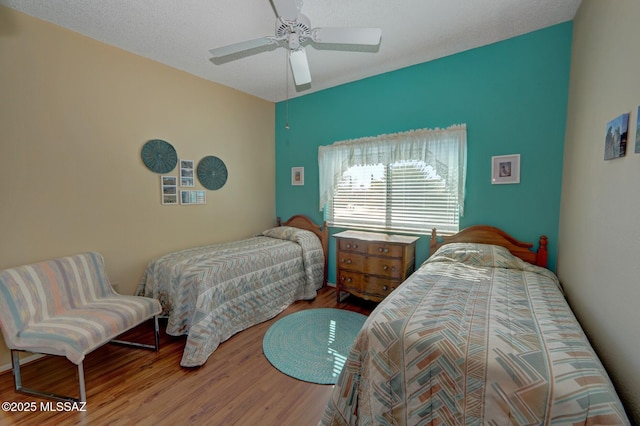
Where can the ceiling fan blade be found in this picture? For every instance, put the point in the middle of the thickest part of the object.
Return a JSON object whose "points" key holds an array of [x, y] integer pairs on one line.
{"points": [[240, 47], [287, 9], [300, 67], [347, 35]]}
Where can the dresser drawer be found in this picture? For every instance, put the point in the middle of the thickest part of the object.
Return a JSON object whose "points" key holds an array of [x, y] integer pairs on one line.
{"points": [[349, 279], [351, 261], [386, 267], [355, 246], [381, 287], [382, 249]]}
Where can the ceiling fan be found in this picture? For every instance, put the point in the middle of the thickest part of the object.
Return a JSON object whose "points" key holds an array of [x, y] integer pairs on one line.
{"points": [[293, 31]]}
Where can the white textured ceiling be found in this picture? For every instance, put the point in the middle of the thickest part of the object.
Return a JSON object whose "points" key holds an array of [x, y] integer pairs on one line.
{"points": [[179, 33]]}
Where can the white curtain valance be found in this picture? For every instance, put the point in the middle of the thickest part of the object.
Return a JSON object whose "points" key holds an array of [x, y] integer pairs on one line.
{"points": [[443, 149]]}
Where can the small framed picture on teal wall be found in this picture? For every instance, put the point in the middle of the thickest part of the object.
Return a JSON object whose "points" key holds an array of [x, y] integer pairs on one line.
{"points": [[505, 169], [297, 176]]}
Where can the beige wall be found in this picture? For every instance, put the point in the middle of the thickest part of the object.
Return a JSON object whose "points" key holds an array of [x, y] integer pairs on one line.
{"points": [[599, 247], [74, 115]]}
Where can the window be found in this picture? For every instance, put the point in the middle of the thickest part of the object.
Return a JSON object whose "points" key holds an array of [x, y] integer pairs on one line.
{"points": [[409, 182]]}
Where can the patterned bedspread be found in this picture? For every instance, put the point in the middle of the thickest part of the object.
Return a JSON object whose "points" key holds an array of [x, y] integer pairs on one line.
{"points": [[474, 337], [212, 292]]}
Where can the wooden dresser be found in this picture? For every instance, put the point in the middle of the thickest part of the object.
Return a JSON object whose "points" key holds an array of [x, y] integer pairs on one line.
{"points": [[371, 265]]}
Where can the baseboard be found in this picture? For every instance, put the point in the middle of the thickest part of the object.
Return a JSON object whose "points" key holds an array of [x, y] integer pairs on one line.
{"points": [[6, 367]]}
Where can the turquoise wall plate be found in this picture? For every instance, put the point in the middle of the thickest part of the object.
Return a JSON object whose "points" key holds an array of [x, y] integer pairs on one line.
{"points": [[212, 173], [159, 156]]}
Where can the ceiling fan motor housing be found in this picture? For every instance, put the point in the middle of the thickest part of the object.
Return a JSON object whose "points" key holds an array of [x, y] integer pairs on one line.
{"points": [[296, 32]]}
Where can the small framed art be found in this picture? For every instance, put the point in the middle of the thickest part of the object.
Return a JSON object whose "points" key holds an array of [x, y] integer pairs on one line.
{"points": [[297, 176], [186, 173], [505, 169], [169, 187], [637, 149], [615, 141], [191, 197]]}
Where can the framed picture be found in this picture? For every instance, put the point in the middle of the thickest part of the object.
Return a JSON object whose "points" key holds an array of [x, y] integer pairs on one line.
{"points": [[191, 197], [169, 189], [637, 150], [505, 169], [297, 176], [186, 173], [615, 141]]}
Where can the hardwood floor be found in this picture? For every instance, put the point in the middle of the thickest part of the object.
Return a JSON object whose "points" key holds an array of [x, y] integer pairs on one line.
{"points": [[237, 385]]}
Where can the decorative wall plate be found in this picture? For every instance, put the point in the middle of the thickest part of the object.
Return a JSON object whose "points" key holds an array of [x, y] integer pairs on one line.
{"points": [[159, 156], [212, 173]]}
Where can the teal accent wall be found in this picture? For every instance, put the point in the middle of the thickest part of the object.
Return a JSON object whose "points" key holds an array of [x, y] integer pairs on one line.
{"points": [[512, 96]]}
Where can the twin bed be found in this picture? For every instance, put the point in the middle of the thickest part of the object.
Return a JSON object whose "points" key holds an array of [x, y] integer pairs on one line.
{"points": [[212, 292], [475, 336]]}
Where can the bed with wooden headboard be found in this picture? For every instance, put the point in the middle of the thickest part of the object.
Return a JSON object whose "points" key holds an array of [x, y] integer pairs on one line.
{"points": [[479, 334], [211, 292], [484, 234]]}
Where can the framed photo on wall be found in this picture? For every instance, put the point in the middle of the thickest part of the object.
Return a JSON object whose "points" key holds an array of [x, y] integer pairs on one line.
{"points": [[505, 169], [615, 141], [637, 149], [186, 173], [297, 176], [169, 188], [191, 197]]}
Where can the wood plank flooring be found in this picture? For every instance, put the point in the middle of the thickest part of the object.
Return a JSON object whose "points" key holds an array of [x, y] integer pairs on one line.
{"points": [[237, 385]]}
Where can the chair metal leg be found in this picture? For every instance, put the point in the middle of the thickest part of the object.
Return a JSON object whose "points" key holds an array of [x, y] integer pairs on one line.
{"points": [[155, 347], [83, 392], [15, 362], [156, 332]]}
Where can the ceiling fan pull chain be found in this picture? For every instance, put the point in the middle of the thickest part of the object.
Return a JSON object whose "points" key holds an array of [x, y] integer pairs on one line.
{"points": [[286, 66]]}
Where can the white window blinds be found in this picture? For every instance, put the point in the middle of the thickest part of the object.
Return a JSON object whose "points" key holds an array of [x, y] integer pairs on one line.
{"points": [[412, 181]]}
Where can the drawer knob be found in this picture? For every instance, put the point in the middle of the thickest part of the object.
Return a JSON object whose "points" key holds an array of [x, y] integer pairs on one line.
{"points": [[385, 267], [384, 287], [383, 249]]}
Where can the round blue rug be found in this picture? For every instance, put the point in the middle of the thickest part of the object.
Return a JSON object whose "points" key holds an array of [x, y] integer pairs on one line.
{"points": [[312, 345]]}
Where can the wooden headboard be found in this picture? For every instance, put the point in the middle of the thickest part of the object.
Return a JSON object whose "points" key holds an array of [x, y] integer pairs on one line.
{"points": [[490, 235], [304, 222]]}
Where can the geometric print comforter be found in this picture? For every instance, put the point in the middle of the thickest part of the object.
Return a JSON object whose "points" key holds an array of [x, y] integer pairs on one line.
{"points": [[475, 336], [211, 293]]}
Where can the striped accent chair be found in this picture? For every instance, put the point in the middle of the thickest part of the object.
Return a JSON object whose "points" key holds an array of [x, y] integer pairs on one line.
{"points": [[67, 307]]}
